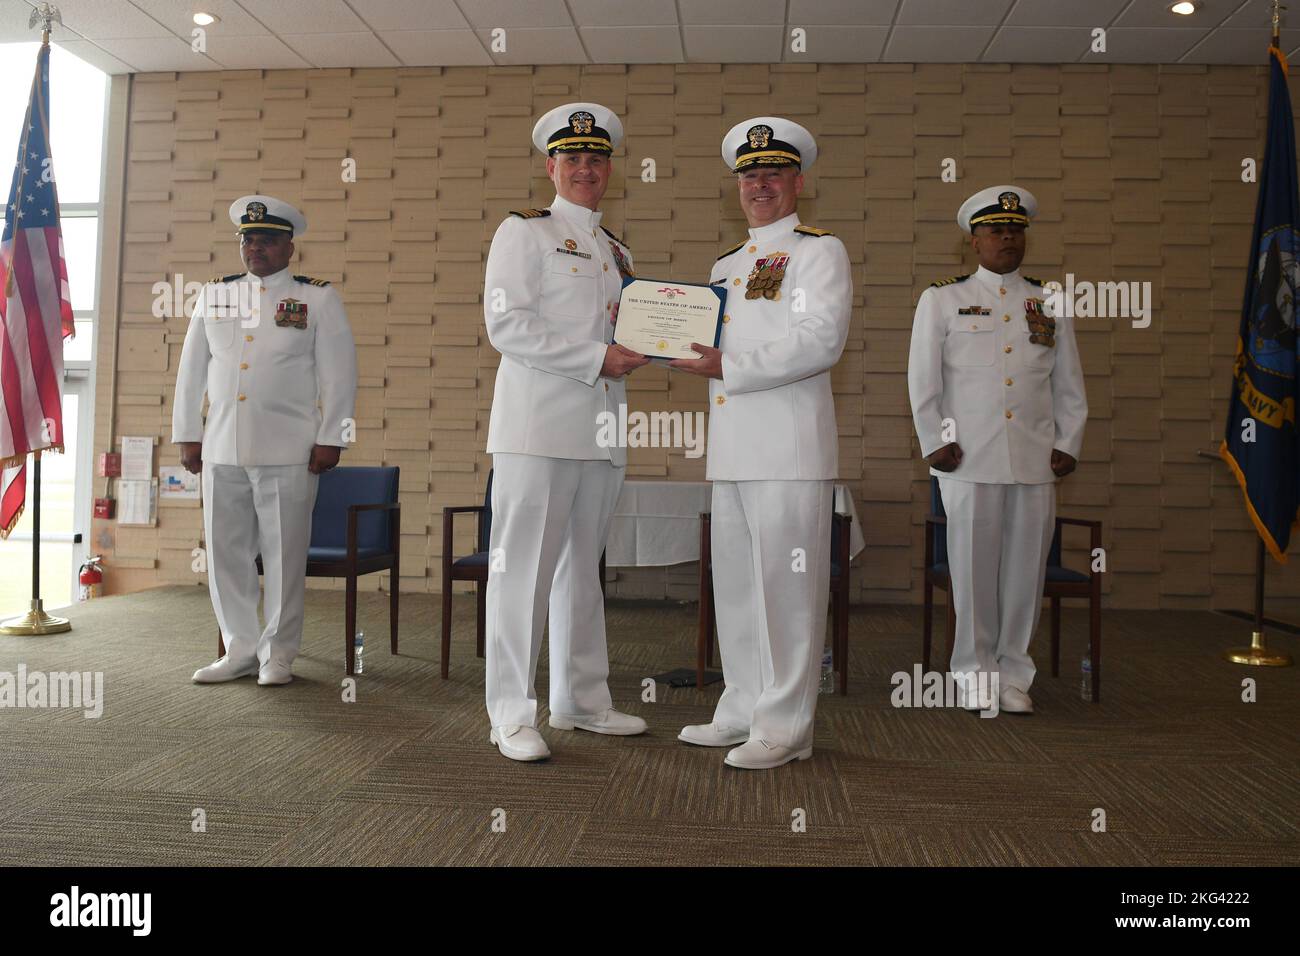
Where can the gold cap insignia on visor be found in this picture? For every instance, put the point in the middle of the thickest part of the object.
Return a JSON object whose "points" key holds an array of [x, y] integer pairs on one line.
{"points": [[256, 211], [582, 122], [1009, 200], [759, 136]]}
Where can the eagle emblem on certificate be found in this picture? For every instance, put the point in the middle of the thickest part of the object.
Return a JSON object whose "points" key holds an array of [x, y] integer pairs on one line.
{"points": [[765, 278]]}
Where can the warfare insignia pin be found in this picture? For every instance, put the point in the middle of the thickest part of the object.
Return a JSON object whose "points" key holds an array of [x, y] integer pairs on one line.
{"points": [[570, 244]]}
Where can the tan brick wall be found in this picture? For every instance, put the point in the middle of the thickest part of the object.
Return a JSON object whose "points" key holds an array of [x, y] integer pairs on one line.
{"points": [[1137, 169]]}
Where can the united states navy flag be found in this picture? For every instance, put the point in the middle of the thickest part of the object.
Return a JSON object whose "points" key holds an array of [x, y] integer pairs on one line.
{"points": [[1260, 439]]}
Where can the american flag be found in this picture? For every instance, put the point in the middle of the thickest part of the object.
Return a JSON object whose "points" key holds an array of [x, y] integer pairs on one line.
{"points": [[35, 308]]}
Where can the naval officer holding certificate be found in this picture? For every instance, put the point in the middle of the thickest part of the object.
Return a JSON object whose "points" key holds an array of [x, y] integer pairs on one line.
{"points": [[773, 450]]}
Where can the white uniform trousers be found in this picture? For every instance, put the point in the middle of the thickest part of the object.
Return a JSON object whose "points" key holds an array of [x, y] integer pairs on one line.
{"points": [[261, 509], [550, 520], [771, 615], [998, 539]]}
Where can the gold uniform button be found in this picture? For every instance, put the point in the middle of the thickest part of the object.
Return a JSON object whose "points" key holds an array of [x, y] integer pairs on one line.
{"points": [[722, 399], [606, 265], [248, 338], [575, 268], [736, 282], [726, 319], [753, 248], [242, 397], [974, 327], [243, 366], [1010, 382], [607, 386], [1008, 413], [1006, 318], [1002, 291], [1007, 349]]}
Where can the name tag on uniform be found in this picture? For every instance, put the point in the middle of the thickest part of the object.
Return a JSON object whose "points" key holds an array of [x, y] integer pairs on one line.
{"points": [[290, 313]]}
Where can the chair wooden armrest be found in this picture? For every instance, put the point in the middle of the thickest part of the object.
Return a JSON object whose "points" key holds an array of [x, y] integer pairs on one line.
{"points": [[448, 522]]}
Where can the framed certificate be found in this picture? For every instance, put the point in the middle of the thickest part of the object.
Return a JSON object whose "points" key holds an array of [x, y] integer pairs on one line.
{"points": [[661, 319]]}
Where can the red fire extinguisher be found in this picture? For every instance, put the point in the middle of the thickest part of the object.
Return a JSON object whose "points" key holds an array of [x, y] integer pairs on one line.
{"points": [[91, 578]]}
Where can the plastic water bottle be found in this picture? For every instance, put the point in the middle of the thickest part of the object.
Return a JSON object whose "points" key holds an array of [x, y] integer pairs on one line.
{"points": [[827, 685], [360, 644], [1085, 684]]}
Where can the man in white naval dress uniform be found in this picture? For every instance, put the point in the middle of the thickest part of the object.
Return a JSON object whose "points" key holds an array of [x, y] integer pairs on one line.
{"points": [[274, 355], [773, 451], [552, 287], [999, 407]]}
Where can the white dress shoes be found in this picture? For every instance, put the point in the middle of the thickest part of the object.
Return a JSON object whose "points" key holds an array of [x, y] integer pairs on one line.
{"points": [[610, 722], [273, 672], [762, 755], [1015, 701], [224, 670], [519, 743], [712, 735]]}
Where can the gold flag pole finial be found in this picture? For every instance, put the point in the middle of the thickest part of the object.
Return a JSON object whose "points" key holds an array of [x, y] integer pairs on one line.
{"points": [[1277, 22]]}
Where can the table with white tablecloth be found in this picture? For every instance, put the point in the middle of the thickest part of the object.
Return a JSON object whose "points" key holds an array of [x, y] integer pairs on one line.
{"points": [[657, 523]]}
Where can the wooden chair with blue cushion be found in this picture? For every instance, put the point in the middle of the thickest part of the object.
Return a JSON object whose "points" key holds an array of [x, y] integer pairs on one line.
{"points": [[355, 530], [1061, 582], [472, 567]]}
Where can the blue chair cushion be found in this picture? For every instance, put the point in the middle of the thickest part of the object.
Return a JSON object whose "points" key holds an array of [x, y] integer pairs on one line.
{"points": [[341, 487], [479, 560], [1055, 574], [332, 554]]}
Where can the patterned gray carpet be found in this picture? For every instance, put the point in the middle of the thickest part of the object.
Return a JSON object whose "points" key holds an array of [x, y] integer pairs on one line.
{"points": [[1184, 770]]}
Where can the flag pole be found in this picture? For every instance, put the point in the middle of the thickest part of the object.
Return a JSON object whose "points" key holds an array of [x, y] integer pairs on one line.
{"points": [[36, 621], [1257, 654]]}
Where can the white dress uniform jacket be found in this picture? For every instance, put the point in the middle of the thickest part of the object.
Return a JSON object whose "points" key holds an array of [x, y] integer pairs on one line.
{"points": [[1012, 400], [552, 282], [265, 364], [772, 413]]}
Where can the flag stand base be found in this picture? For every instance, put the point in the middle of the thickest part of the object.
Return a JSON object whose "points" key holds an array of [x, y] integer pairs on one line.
{"points": [[1257, 654], [36, 621]]}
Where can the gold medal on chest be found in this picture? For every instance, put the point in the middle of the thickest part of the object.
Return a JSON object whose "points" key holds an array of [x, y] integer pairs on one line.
{"points": [[765, 278]]}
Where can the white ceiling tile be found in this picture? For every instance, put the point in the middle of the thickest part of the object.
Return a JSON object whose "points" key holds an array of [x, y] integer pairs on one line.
{"points": [[178, 16], [95, 19], [1064, 13], [294, 17], [156, 55], [87, 52], [488, 14], [340, 49], [843, 12], [841, 44], [621, 13], [749, 44], [1253, 14], [1155, 13], [254, 53], [1152, 45], [536, 45], [747, 13], [1038, 45], [437, 47], [1231, 46], [948, 13], [912, 44], [414, 15], [633, 44]]}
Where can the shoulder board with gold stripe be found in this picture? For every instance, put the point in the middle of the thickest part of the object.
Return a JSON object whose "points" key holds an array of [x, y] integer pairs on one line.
{"points": [[950, 280], [230, 278], [813, 231], [530, 213], [1032, 281], [736, 248], [310, 281], [615, 238]]}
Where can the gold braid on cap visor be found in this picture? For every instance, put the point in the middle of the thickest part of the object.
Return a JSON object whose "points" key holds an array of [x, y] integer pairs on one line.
{"points": [[765, 157], [578, 142], [996, 217]]}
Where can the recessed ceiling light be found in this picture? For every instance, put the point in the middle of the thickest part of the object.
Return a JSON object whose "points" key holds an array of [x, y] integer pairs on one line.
{"points": [[204, 19], [1184, 8]]}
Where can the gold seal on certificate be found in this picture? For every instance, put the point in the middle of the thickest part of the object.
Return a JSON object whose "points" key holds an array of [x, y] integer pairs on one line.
{"points": [[661, 319]]}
